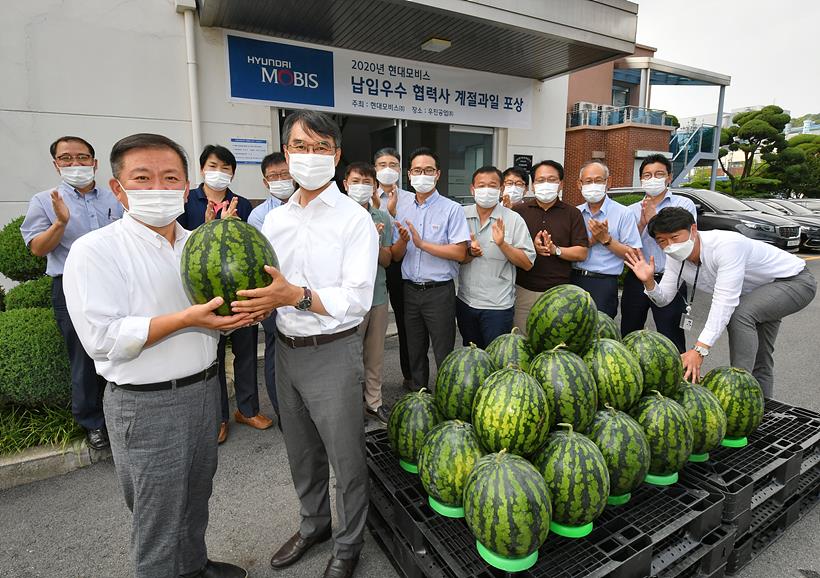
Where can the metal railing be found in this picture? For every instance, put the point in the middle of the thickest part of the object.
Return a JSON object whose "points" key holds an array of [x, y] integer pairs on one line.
{"points": [[689, 145], [609, 116]]}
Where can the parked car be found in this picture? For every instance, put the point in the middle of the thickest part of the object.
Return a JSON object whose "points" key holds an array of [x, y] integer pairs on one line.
{"points": [[722, 212], [809, 222], [811, 204]]}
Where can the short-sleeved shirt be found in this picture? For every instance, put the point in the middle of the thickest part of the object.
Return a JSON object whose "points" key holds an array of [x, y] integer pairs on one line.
{"points": [[650, 247], [488, 282], [439, 220], [197, 204], [258, 214], [566, 226], [386, 238], [87, 212], [623, 227], [384, 198]]}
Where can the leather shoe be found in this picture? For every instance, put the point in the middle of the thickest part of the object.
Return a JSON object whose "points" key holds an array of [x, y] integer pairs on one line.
{"points": [[341, 568], [258, 421], [295, 548], [381, 413], [218, 570], [97, 438], [223, 432]]}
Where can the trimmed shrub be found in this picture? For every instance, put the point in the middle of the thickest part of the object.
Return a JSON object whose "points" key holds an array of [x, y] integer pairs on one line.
{"points": [[35, 293], [2, 298], [34, 369], [16, 261], [628, 199]]}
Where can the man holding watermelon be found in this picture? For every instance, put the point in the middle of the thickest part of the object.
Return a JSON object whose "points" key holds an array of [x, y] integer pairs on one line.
{"points": [[753, 285]]}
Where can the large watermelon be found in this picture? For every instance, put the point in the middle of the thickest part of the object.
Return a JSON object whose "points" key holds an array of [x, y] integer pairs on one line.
{"points": [[570, 387], [667, 430], [576, 476], [511, 412], [507, 505], [448, 455], [564, 314], [458, 378], [510, 349], [412, 417], [607, 327], [624, 447], [222, 257], [706, 416], [617, 373], [740, 396], [659, 360]]}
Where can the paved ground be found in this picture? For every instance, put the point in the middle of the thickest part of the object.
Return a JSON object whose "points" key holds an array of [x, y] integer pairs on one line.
{"points": [[77, 524]]}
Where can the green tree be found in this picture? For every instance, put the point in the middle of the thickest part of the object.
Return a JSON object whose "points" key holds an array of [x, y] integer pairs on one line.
{"points": [[796, 166]]}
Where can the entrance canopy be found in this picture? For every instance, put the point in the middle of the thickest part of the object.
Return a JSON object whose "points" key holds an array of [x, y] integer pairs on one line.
{"points": [[666, 73], [536, 39]]}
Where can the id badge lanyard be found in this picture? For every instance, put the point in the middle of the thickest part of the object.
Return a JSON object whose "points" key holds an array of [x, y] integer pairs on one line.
{"points": [[686, 321]]}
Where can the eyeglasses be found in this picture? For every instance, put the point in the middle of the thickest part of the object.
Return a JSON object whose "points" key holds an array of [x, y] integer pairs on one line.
{"points": [[68, 159], [385, 164], [551, 180], [319, 148], [657, 175], [514, 184], [281, 175], [429, 171], [597, 181]]}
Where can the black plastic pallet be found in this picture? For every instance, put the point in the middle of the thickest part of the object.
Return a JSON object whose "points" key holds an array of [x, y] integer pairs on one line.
{"points": [[776, 406], [749, 547], [708, 560], [385, 465], [800, 432]]}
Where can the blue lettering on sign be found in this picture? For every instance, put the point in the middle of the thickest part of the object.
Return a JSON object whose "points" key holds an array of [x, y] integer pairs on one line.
{"points": [[262, 70]]}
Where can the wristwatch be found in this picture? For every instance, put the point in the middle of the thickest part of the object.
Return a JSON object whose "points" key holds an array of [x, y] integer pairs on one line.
{"points": [[306, 301], [557, 251], [703, 351], [606, 244]]}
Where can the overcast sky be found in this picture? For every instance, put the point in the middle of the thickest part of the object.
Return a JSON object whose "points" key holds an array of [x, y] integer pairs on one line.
{"points": [[769, 48]]}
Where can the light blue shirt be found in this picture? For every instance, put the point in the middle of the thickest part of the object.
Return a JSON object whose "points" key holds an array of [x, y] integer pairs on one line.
{"points": [[88, 212], [257, 216], [439, 220], [383, 198], [623, 227], [650, 247]]}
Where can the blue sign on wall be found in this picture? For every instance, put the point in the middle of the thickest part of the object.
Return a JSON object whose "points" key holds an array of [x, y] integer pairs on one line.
{"points": [[262, 70]]}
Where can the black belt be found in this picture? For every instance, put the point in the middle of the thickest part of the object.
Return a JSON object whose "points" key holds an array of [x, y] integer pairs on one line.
{"points": [[314, 340], [658, 277], [593, 275], [428, 285], [203, 375]]}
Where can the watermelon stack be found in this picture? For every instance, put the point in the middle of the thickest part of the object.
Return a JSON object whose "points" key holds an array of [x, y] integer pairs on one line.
{"points": [[458, 378], [607, 327], [570, 387], [617, 373], [577, 478], [564, 314], [507, 508], [669, 434], [659, 359], [510, 349], [706, 416], [413, 416], [448, 455], [741, 397]]}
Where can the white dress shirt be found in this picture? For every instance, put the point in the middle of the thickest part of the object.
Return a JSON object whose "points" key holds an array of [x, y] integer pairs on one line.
{"points": [[731, 265], [331, 247], [116, 279]]}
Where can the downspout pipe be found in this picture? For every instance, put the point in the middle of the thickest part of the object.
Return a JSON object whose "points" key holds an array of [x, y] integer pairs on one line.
{"points": [[187, 8]]}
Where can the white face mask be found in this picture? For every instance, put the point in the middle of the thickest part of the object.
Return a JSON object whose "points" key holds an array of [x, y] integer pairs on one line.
{"points": [[546, 192], [423, 183], [387, 176], [282, 190], [654, 187], [155, 207], [515, 193], [310, 170], [680, 251], [217, 180], [78, 176], [593, 193], [486, 197], [360, 193]]}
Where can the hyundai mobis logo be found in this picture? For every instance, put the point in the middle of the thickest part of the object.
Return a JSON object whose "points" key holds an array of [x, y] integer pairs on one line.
{"points": [[276, 72]]}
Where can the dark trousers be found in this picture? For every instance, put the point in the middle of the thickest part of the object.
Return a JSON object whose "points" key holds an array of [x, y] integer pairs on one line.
{"points": [[635, 306], [604, 291], [395, 289], [429, 315], [243, 345], [481, 326], [86, 386], [269, 325]]}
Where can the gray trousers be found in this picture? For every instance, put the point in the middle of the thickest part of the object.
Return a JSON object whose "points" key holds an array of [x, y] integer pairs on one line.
{"points": [[754, 324], [320, 407], [164, 447], [429, 315]]}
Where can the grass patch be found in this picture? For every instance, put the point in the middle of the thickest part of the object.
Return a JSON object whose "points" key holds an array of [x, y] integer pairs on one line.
{"points": [[22, 428]]}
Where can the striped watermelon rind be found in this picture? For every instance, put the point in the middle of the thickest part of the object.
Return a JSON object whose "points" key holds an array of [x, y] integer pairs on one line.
{"points": [[448, 454], [624, 447], [563, 314], [667, 430], [659, 359], [511, 349], [413, 416], [457, 380], [607, 327], [741, 397], [507, 505], [570, 387], [705, 414], [222, 257], [616, 372]]}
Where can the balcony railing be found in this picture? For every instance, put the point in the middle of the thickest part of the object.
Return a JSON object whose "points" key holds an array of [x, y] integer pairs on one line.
{"points": [[610, 116]]}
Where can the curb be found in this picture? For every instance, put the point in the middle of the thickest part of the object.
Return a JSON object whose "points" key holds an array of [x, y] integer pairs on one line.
{"points": [[45, 462]]}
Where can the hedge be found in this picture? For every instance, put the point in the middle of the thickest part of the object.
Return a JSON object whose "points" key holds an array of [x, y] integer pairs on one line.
{"points": [[35, 293], [16, 261]]}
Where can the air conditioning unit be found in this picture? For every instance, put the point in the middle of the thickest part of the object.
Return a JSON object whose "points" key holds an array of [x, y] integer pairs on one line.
{"points": [[580, 106]]}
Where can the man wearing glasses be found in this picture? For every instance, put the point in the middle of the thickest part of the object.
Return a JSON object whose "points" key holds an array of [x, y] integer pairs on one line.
{"points": [[656, 175], [516, 183], [433, 237], [613, 232], [54, 220]]}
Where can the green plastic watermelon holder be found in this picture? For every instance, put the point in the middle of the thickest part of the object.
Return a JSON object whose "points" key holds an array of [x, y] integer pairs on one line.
{"points": [[408, 467], [571, 531], [619, 500], [444, 509], [731, 442], [506, 564], [658, 480], [699, 458]]}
